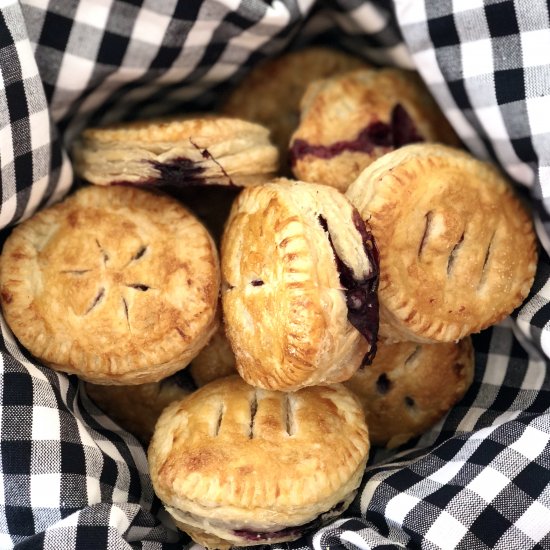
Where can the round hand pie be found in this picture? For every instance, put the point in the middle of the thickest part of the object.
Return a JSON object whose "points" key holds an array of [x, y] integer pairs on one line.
{"points": [[238, 466], [115, 284], [299, 294], [137, 408], [179, 152], [350, 120], [270, 94], [457, 248], [410, 386]]}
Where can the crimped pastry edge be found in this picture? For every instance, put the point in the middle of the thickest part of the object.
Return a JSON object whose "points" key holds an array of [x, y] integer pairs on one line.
{"points": [[399, 319], [324, 369], [92, 366]]}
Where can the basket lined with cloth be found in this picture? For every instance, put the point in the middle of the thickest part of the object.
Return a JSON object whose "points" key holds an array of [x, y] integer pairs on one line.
{"points": [[70, 477]]}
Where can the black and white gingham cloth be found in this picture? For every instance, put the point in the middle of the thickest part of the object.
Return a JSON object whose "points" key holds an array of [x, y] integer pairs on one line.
{"points": [[69, 477]]}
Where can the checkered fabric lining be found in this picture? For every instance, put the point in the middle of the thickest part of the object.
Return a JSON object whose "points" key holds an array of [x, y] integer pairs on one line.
{"points": [[69, 477]]}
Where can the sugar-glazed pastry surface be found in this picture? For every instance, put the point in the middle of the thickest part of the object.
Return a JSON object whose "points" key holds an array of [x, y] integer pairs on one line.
{"points": [[137, 408], [351, 119], [410, 386], [236, 465], [270, 94], [457, 247], [300, 274], [177, 152], [115, 284]]}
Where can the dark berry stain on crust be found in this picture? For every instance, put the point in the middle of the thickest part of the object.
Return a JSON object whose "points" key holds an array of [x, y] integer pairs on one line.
{"points": [[291, 531], [7, 297], [400, 131], [205, 153], [361, 294]]}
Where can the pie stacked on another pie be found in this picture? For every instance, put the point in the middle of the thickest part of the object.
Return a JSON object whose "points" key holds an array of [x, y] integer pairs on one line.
{"points": [[115, 284]]}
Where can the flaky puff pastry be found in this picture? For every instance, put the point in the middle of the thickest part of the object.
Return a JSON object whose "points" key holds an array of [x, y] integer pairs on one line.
{"points": [[270, 94], [115, 284], [457, 247], [411, 386], [350, 120], [236, 465], [177, 152], [137, 408], [300, 272]]}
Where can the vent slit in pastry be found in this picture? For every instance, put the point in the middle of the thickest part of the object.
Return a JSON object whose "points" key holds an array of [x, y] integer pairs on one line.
{"points": [[409, 401], [452, 255], [383, 384], [221, 412], [253, 411], [76, 271], [139, 253], [429, 217], [125, 307], [484, 269], [139, 286], [97, 299], [290, 421], [257, 282], [413, 355], [103, 253]]}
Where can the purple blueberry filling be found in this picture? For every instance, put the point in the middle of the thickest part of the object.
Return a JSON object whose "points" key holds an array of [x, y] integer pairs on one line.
{"points": [[296, 531], [400, 131], [179, 172], [361, 294]]}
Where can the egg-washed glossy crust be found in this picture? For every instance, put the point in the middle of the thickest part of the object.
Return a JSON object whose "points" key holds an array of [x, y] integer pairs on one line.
{"points": [[299, 286], [457, 247], [410, 386], [115, 284], [350, 120], [232, 458]]}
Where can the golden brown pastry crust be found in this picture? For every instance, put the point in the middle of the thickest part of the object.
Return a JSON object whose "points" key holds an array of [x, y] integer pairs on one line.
{"points": [[270, 94], [457, 248], [117, 285], [284, 304], [215, 360], [410, 386], [337, 110], [232, 457], [177, 152], [137, 408]]}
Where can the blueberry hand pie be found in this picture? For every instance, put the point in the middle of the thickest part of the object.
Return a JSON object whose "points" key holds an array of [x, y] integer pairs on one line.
{"points": [[457, 248], [270, 94], [115, 284], [137, 408], [178, 152], [300, 275], [350, 120], [410, 386], [240, 466]]}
